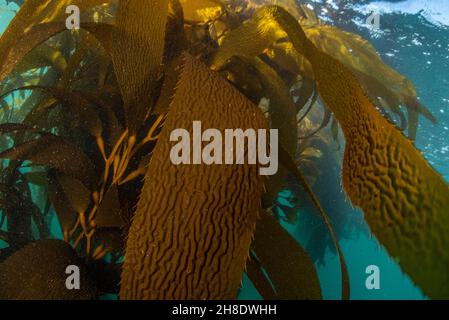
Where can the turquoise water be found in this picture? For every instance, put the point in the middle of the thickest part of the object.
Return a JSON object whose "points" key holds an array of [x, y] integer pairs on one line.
{"points": [[414, 39]]}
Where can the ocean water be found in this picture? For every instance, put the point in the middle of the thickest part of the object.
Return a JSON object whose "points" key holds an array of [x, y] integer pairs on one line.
{"points": [[414, 39]]}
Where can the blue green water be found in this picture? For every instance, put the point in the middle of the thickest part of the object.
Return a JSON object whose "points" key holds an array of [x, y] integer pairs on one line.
{"points": [[414, 39]]}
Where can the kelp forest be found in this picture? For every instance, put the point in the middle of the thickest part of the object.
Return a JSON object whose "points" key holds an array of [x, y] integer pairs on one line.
{"points": [[86, 116]]}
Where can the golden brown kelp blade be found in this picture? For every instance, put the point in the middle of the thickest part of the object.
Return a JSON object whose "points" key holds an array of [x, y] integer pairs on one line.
{"points": [[377, 78], [282, 112], [405, 201], [288, 265], [251, 39], [139, 42], [38, 272], [191, 234]]}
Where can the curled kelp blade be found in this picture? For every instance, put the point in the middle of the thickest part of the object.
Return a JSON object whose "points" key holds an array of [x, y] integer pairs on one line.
{"points": [[404, 199], [191, 233], [137, 53], [282, 111], [38, 272], [378, 79], [82, 109], [290, 270]]}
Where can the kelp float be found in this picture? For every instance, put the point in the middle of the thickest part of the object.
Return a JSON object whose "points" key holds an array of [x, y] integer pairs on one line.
{"points": [[82, 112]]}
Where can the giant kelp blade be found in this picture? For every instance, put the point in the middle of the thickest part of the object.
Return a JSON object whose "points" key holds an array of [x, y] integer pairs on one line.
{"points": [[191, 233], [80, 105], [259, 279], [109, 214], [378, 79], [287, 264], [65, 212], [41, 33], [252, 38], [288, 162], [55, 152], [77, 194], [139, 42], [38, 272], [282, 114], [175, 37], [404, 199]]}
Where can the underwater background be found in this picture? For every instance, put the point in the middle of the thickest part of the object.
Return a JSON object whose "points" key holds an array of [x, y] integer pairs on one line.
{"points": [[413, 39]]}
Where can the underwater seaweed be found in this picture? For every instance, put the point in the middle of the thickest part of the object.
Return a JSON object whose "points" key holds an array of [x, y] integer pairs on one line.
{"points": [[89, 119]]}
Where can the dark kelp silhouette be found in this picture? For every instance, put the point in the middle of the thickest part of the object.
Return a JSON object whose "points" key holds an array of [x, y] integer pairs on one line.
{"points": [[81, 113]]}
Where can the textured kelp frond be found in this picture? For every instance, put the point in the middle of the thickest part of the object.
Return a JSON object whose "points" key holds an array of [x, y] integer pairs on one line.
{"points": [[55, 152], [139, 42], [202, 217], [83, 111], [379, 79], [37, 272], [175, 37], [290, 270], [404, 200]]}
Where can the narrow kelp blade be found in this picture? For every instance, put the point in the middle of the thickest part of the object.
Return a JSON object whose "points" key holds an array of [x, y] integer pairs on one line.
{"points": [[192, 230], [137, 53], [404, 199], [288, 162], [282, 112], [363, 60], [289, 267]]}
